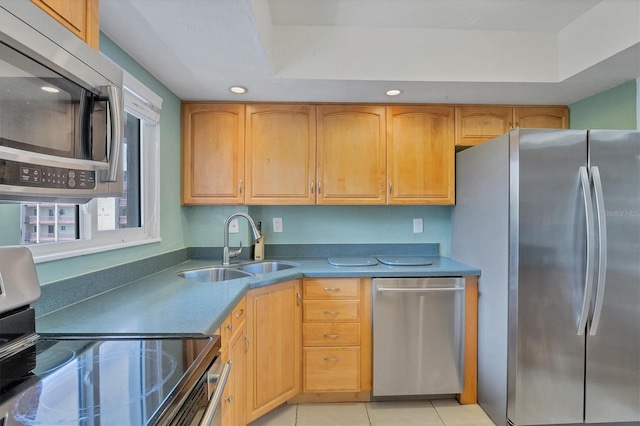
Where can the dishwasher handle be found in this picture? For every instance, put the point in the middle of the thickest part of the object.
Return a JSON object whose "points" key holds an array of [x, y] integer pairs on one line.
{"points": [[417, 289]]}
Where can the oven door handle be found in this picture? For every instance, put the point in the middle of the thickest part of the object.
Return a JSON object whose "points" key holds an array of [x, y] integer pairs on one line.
{"points": [[214, 402]]}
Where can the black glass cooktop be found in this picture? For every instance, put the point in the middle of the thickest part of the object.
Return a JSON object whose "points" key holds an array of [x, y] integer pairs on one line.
{"points": [[108, 381]]}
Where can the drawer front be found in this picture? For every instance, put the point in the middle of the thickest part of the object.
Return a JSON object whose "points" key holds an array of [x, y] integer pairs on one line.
{"points": [[334, 288], [331, 369], [331, 310], [239, 314], [330, 334]]}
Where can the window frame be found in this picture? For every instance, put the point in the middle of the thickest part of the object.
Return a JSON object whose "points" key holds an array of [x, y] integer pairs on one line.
{"points": [[143, 103]]}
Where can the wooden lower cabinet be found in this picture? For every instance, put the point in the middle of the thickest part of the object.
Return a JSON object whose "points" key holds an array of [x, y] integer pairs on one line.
{"points": [[331, 369], [336, 335], [234, 348], [274, 318], [284, 348]]}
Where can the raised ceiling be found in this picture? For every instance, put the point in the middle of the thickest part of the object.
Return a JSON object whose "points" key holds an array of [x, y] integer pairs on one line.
{"points": [[450, 51]]}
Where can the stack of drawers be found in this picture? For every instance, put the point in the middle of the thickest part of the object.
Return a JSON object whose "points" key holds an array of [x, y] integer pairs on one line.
{"points": [[234, 348], [336, 316]]}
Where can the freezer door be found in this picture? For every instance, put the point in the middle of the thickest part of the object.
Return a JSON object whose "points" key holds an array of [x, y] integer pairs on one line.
{"points": [[547, 231], [613, 353]]}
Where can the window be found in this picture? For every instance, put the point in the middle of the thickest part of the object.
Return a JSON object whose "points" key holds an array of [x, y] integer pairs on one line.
{"points": [[54, 231]]}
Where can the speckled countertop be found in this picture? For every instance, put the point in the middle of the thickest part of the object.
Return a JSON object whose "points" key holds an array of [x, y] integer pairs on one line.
{"points": [[164, 303]]}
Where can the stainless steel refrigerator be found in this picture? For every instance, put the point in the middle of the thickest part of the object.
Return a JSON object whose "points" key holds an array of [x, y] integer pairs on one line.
{"points": [[552, 219]]}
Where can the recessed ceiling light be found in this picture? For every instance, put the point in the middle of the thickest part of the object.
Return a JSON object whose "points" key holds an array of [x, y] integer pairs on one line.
{"points": [[393, 92], [50, 89], [238, 89]]}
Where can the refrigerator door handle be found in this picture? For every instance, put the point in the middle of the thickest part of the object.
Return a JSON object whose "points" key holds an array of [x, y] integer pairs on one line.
{"points": [[588, 285], [602, 252]]}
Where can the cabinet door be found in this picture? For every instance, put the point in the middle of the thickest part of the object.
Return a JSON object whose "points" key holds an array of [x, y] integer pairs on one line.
{"points": [[212, 153], [420, 155], [477, 124], [280, 154], [78, 16], [541, 117], [238, 347], [274, 321], [351, 154]]}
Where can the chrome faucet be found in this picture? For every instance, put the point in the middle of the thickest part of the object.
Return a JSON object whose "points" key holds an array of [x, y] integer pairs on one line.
{"points": [[226, 253]]}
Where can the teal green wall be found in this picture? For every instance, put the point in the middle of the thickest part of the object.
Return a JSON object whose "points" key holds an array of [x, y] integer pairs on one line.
{"points": [[356, 224], [172, 220], [616, 108]]}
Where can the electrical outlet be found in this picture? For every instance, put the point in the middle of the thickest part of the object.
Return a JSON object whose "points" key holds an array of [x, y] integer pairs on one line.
{"points": [[277, 224], [418, 227], [234, 228]]}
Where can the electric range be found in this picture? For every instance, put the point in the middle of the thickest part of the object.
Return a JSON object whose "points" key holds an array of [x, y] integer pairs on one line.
{"points": [[96, 379]]}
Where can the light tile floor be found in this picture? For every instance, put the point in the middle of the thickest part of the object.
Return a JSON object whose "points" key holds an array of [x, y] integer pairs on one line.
{"points": [[442, 412]]}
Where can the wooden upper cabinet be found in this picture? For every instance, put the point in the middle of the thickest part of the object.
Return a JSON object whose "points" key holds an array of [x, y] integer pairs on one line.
{"points": [[420, 155], [535, 117], [477, 124], [212, 153], [280, 154], [351, 154], [81, 17]]}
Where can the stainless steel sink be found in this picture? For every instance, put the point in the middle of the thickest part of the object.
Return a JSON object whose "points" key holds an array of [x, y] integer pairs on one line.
{"points": [[266, 267], [213, 274]]}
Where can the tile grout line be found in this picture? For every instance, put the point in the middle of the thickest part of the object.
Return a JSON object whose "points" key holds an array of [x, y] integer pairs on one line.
{"points": [[437, 413], [367, 411]]}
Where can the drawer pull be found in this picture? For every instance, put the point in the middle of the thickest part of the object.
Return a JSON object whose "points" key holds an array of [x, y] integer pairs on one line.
{"points": [[230, 399], [333, 359], [331, 336], [239, 314], [228, 326], [331, 289], [332, 312]]}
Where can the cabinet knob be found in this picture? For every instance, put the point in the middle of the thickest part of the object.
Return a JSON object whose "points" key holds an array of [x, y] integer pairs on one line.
{"points": [[230, 399], [228, 326]]}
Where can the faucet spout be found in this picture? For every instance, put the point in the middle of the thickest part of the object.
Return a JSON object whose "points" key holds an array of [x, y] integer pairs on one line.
{"points": [[226, 253]]}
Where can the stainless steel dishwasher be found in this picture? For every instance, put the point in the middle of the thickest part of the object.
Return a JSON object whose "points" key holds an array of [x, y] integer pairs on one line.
{"points": [[418, 336]]}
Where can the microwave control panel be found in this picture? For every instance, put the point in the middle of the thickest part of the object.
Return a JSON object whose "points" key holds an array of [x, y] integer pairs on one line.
{"points": [[35, 175]]}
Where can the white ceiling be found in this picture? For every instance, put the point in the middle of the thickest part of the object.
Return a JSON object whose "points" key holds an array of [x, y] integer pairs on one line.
{"points": [[449, 51]]}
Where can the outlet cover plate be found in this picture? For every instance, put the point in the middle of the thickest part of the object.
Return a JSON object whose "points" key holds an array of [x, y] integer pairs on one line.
{"points": [[277, 224], [418, 226]]}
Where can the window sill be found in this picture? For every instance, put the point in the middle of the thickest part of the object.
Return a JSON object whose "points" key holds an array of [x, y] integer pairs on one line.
{"points": [[65, 254]]}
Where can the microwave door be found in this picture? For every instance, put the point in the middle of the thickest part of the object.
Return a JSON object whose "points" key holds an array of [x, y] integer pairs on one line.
{"points": [[38, 108]]}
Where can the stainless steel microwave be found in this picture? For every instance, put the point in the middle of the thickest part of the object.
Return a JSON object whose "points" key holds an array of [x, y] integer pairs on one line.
{"points": [[61, 112]]}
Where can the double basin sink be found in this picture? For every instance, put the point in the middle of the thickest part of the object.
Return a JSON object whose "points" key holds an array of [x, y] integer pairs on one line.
{"points": [[226, 273]]}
